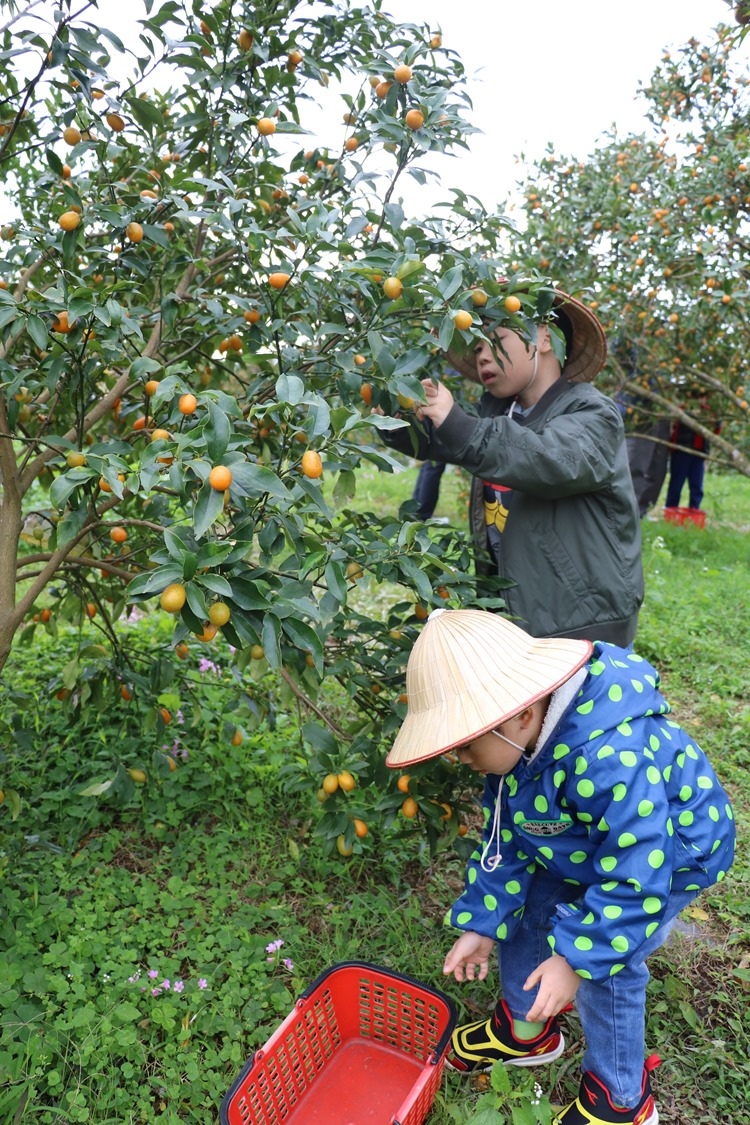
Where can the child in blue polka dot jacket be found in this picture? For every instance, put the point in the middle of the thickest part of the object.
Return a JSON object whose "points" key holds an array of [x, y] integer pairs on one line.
{"points": [[603, 820]]}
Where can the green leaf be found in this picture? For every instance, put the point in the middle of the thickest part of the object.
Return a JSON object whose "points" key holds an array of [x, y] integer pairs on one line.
{"points": [[146, 113], [37, 329], [98, 789], [254, 481], [208, 508], [335, 577], [451, 282], [320, 738], [217, 583], [70, 525], [155, 581], [270, 639], [421, 582], [217, 433], [54, 161]]}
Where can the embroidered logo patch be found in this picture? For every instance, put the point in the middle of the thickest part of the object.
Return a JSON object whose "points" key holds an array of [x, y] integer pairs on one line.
{"points": [[547, 827]]}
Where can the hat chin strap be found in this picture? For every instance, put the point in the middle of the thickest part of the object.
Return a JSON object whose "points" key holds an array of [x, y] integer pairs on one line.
{"points": [[485, 862]]}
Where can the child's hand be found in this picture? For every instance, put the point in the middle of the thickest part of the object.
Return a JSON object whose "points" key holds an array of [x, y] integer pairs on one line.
{"points": [[558, 985], [470, 950], [439, 402]]}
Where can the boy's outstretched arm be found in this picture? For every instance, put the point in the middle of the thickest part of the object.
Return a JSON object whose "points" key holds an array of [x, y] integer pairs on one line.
{"points": [[558, 985], [470, 950]]}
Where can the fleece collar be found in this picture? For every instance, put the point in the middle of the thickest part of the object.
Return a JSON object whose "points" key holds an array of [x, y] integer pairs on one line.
{"points": [[558, 705]]}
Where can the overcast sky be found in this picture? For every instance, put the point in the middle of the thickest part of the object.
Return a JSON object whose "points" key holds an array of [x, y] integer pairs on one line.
{"points": [[549, 71]]}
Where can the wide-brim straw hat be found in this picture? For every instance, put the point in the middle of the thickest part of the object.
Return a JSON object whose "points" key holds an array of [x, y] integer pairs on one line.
{"points": [[587, 353], [469, 671]]}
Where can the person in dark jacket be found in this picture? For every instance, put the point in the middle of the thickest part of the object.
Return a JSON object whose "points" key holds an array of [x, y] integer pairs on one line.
{"points": [[687, 463], [552, 502], [603, 819]]}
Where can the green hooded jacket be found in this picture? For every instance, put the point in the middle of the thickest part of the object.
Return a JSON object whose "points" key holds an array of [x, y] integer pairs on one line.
{"points": [[567, 527]]}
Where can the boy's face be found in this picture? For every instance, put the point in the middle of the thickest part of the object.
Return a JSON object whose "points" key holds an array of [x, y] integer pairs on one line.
{"points": [[505, 377], [490, 754]]}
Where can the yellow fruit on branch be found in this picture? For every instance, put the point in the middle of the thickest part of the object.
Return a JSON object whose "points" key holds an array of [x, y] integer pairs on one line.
{"points": [[410, 808], [266, 126], [311, 464], [220, 478], [134, 232], [402, 73], [173, 597], [219, 613], [414, 119], [69, 220], [463, 320], [346, 781], [115, 122], [393, 287], [278, 280], [330, 783], [138, 776], [244, 40], [71, 135]]}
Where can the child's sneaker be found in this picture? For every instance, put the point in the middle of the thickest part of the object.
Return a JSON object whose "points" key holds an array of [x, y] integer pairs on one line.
{"points": [[593, 1106], [476, 1047]]}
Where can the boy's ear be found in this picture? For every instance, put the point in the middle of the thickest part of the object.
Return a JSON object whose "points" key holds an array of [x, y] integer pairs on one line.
{"points": [[543, 339], [526, 716]]}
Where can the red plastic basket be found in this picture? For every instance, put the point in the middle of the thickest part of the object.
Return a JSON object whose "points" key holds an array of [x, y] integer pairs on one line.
{"points": [[685, 515], [362, 1045]]}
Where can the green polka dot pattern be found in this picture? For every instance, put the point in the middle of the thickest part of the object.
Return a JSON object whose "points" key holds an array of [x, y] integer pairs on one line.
{"points": [[623, 809]]}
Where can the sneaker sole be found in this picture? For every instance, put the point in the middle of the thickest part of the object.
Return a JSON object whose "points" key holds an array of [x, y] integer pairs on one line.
{"points": [[652, 1120], [527, 1060]]}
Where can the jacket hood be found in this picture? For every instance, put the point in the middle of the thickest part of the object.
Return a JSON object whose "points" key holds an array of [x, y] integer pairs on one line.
{"points": [[607, 700]]}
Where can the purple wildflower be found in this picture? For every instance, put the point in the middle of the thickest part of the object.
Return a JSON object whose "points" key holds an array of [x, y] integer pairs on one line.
{"points": [[273, 946], [178, 985], [202, 983], [288, 963], [153, 973]]}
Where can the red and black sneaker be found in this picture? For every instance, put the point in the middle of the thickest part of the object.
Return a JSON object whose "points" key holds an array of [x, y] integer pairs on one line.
{"points": [[476, 1047], [593, 1106]]}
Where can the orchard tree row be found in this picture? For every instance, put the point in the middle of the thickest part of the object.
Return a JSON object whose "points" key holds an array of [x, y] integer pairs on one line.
{"points": [[656, 228]]}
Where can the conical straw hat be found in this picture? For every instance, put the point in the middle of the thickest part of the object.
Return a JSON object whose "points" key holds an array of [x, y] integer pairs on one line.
{"points": [[588, 348], [469, 671]]}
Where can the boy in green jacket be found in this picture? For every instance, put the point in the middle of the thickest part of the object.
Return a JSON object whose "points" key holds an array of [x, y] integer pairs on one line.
{"points": [[552, 501]]}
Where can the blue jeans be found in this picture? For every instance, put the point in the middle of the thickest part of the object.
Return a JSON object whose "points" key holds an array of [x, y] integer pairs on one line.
{"points": [[427, 488], [685, 466], [613, 1011]]}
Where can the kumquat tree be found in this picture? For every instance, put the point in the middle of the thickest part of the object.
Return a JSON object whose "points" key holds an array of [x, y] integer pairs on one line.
{"points": [[198, 312], [656, 228]]}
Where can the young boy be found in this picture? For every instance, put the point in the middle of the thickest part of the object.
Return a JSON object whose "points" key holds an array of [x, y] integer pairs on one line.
{"points": [[552, 503], [603, 820]]}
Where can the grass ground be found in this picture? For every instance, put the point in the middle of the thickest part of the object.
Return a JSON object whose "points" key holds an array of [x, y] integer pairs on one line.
{"points": [[201, 876]]}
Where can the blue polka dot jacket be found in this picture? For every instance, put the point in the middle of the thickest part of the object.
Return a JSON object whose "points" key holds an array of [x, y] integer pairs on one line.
{"points": [[617, 801]]}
